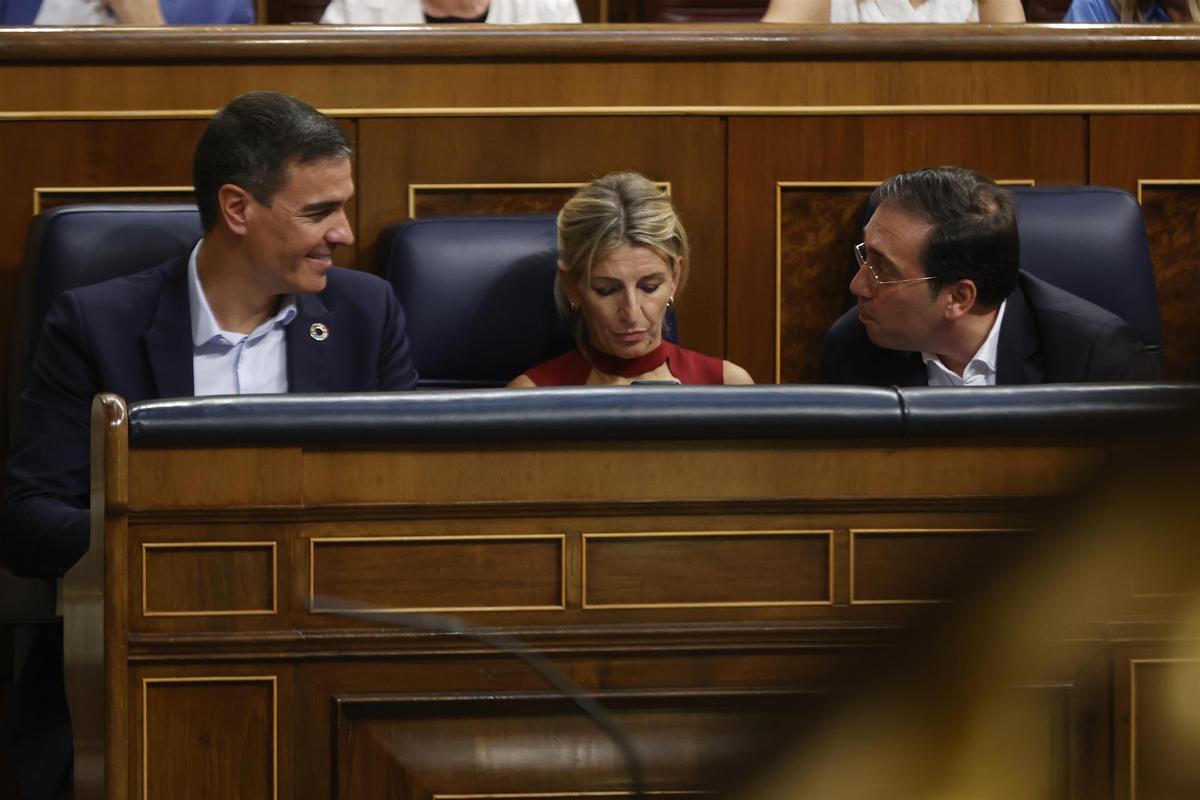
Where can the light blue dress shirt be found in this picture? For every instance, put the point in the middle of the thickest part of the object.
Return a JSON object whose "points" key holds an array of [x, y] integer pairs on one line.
{"points": [[236, 363]]}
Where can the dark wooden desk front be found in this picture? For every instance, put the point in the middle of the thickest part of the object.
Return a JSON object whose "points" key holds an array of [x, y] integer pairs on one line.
{"points": [[711, 593]]}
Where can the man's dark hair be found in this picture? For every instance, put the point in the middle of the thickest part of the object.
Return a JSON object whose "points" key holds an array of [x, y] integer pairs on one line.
{"points": [[974, 227], [251, 142]]}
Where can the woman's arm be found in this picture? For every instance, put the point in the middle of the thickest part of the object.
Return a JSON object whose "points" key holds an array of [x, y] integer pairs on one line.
{"points": [[799, 11], [736, 376], [1001, 11], [521, 382]]}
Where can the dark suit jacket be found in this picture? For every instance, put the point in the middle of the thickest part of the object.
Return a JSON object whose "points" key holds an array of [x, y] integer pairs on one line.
{"points": [[1047, 336], [133, 336]]}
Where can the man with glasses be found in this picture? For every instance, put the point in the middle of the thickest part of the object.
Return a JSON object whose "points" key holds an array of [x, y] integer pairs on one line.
{"points": [[941, 301]]}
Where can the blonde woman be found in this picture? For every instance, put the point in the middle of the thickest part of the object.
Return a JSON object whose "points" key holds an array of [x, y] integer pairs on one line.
{"points": [[622, 262]]}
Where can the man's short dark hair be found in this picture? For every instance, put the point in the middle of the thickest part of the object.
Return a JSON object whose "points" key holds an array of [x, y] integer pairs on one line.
{"points": [[251, 142], [974, 227]]}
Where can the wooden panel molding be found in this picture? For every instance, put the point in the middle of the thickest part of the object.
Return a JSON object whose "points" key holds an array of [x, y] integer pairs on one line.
{"points": [[707, 569], [209, 579], [1164, 728], [479, 745], [210, 736], [439, 573], [47, 197], [1172, 211], [894, 566]]}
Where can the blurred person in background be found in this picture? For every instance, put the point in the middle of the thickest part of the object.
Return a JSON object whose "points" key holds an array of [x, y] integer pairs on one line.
{"points": [[814, 11], [420, 12], [145, 12], [1127, 11]]}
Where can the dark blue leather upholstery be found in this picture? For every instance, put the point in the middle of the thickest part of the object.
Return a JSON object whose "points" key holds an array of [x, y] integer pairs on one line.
{"points": [[560, 414], [478, 294], [1063, 409], [79, 245], [1091, 241], [650, 413]]}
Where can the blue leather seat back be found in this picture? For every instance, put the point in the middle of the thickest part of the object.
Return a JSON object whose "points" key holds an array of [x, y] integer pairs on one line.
{"points": [[478, 295], [73, 246], [1091, 241]]}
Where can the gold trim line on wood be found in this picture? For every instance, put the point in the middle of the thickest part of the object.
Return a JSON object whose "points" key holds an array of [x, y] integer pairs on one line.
{"points": [[521, 537], [1133, 664], [413, 188], [272, 679], [828, 534], [853, 532], [38, 191], [223, 613], [592, 111], [1141, 182], [779, 187]]}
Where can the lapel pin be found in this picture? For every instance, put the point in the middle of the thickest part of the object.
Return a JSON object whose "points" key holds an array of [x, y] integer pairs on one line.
{"points": [[318, 332]]}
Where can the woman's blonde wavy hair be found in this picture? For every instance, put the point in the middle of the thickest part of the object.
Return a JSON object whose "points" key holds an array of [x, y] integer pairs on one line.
{"points": [[620, 208]]}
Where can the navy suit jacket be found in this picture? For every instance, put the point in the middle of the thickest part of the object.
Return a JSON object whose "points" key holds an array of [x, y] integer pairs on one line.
{"points": [[1047, 335], [133, 336]]}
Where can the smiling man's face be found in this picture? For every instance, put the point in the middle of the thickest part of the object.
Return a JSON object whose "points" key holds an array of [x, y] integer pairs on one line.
{"points": [[291, 241]]}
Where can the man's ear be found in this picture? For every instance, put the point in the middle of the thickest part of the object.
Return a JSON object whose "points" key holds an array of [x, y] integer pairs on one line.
{"points": [[960, 298], [234, 203]]}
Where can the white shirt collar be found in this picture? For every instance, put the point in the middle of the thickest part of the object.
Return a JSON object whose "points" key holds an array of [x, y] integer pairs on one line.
{"points": [[980, 370], [204, 325]]}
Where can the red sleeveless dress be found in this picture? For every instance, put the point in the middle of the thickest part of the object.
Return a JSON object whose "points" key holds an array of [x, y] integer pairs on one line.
{"points": [[572, 369]]}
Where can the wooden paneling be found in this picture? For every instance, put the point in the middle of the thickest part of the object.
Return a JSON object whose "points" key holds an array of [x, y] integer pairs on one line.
{"points": [[707, 569], [480, 746], [466, 199], [208, 578], [686, 152], [899, 566], [454, 573], [205, 738], [1127, 149], [272, 475], [1163, 729], [764, 152]]}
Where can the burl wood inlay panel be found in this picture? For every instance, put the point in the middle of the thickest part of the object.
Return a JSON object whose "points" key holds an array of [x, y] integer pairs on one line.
{"points": [[1164, 730], [446, 201], [899, 566], [490, 745], [1173, 228], [694, 569], [443, 573], [53, 197], [207, 738], [208, 579], [818, 228]]}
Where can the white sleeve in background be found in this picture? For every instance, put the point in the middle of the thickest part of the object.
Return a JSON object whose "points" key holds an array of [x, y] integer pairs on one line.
{"points": [[532, 12], [373, 12], [74, 12]]}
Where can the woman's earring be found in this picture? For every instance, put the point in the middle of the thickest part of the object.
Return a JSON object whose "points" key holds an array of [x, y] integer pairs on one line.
{"points": [[574, 306], [670, 301]]}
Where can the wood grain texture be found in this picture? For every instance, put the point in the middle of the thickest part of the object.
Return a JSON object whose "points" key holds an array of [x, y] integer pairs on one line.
{"points": [[893, 565], [610, 41], [208, 578], [1119, 157], [711, 569], [206, 739], [396, 153], [458, 573], [818, 228], [467, 200], [1162, 752], [766, 151]]}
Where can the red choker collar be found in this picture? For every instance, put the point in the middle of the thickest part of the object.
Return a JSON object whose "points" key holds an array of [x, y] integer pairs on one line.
{"points": [[626, 367]]}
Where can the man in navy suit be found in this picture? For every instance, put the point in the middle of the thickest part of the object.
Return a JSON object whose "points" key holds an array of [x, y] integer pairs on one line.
{"points": [[941, 301], [257, 307]]}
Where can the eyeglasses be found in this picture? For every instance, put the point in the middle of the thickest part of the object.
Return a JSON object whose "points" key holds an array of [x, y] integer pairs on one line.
{"points": [[860, 252]]}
